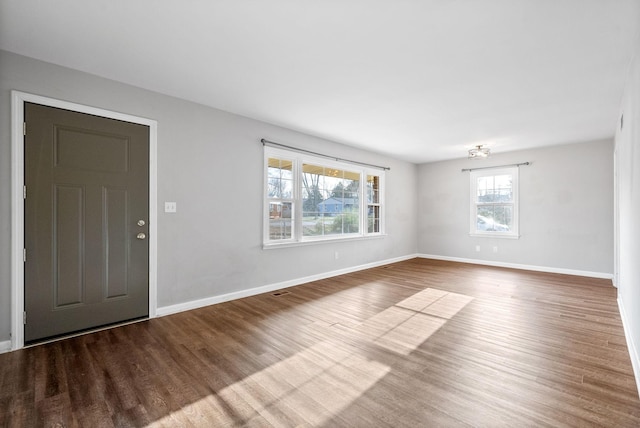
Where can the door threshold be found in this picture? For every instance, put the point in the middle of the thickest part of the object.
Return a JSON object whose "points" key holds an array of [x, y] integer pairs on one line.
{"points": [[83, 332]]}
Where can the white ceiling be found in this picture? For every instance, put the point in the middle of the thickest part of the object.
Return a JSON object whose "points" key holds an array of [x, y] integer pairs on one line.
{"points": [[420, 80]]}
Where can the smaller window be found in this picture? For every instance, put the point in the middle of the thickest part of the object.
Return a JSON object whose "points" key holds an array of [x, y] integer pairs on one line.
{"points": [[494, 202], [373, 203], [280, 198]]}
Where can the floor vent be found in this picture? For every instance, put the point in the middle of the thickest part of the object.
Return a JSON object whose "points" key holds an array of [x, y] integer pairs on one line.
{"points": [[280, 293]]}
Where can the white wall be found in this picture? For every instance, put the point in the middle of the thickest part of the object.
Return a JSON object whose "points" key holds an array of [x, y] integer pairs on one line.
{"points": [[210, 163], [627, 148], [566, 210]]}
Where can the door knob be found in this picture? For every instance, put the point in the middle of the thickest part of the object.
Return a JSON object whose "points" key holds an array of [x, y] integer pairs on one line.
{"points": [[141, 235], [141, 223]]}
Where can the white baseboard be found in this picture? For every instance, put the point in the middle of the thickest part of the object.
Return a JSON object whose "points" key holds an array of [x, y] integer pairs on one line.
{"points": [[603, 275], [633, 350], [5, 346], [194, 304]]}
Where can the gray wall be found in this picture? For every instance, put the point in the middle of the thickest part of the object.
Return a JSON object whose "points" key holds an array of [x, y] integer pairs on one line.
{"points": [[566, 209], [210, 163], [628, 213]]}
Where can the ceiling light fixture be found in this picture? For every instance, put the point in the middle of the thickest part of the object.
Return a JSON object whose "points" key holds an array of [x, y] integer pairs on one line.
{"points": [[479, 152]]}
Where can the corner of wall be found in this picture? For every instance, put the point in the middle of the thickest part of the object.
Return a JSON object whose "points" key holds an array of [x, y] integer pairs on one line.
{"points": [[627, 209], [633, 349]]}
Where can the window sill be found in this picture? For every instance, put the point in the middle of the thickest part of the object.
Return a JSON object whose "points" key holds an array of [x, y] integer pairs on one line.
{"points": [[494, 235], [271, 246]]}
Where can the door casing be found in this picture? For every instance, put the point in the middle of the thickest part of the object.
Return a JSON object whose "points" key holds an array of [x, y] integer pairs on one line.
{"points": [[17, 201]]}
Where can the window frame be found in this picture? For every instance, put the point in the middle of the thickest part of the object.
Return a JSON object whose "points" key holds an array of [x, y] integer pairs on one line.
{"points": [[281, 200], [297, 237], [474, 175]]}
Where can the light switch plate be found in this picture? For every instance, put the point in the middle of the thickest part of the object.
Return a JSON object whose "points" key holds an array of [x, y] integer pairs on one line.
{"points": [[170, 207]]}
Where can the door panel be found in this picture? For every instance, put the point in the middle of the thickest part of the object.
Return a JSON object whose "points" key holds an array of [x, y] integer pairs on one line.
{"points": [[115, 245], [68, 260], [87, 181]]}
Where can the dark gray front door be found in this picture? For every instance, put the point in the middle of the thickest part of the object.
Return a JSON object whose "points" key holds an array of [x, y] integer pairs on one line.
{"points": [[86, 220]]}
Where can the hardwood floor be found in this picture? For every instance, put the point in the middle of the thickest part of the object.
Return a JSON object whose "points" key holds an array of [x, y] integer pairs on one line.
{"points": [[420, 343]]}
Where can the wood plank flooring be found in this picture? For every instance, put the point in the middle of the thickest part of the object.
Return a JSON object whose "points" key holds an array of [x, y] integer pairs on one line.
{"points": [[420, 343]]}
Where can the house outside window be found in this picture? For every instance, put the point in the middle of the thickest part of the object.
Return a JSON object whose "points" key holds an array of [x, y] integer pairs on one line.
{"points": [[494, 202], [312, 199]]}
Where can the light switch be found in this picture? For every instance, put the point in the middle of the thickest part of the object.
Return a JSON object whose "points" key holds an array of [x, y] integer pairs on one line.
{"points": [[170, 207]]}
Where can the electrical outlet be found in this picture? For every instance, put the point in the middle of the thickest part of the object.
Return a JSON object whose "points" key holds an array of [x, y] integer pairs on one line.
{"points": [[478, 248], [170, 207], [495, 249]]}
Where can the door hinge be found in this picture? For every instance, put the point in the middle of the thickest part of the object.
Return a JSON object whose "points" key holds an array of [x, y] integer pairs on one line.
{"points": [[24, 128], [24, 192], [24, 317], [24, 254]]}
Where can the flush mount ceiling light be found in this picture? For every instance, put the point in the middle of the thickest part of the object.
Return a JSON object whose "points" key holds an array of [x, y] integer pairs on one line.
{"points": [[479, 152]]}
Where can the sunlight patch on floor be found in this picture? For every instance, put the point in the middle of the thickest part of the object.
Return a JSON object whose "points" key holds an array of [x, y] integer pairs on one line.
{"points": [[318, 382], [421, 300], [403, 327]]}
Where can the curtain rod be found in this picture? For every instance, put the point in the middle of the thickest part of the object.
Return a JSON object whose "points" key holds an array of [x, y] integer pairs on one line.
{"points": [[271, 143], [497, 166]]}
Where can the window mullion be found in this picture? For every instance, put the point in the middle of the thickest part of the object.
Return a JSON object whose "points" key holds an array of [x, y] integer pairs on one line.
{"points": [[364, 203], [297, 198]]}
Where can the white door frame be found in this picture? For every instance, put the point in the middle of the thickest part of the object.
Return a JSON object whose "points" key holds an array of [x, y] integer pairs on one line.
{"points": [[17, 201]]}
